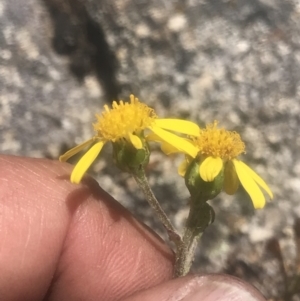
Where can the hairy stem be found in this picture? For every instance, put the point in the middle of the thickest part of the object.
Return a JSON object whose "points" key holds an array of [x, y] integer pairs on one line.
{"points": [[200, 216], [142, 181]]}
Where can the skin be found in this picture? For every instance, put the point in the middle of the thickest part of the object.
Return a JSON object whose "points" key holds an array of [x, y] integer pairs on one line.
{"points": [[60, 241]]}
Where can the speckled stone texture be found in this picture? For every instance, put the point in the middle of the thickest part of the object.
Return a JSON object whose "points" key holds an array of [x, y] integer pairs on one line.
{"points": [[234, 61]]}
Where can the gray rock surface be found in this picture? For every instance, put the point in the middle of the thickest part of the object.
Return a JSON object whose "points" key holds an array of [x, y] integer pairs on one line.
{"points": [[234, 61]]}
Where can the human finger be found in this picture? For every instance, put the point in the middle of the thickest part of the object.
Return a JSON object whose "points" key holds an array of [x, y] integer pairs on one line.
{"points": [[200, 288], [60, 241]]}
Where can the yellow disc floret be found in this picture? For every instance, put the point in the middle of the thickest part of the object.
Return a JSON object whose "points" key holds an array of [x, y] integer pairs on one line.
{"points": [[220, 143], [123, 119]]}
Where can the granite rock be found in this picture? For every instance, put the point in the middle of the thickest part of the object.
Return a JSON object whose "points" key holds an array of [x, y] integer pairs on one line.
{"points": [[234, 61]]}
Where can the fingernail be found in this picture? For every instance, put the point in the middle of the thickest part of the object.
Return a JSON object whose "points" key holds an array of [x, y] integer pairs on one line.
{"points": [[216, 288]]}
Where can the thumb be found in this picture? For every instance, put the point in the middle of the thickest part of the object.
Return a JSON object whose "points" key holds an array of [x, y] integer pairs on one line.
{"points": [[201, 288]]}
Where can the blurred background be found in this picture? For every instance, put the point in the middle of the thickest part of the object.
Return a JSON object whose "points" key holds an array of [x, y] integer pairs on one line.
{"points": [[236, 61]]}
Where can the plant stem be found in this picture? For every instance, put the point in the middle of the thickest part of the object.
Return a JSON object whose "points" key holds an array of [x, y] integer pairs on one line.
{"points": [[200, 216], [142, 181]]}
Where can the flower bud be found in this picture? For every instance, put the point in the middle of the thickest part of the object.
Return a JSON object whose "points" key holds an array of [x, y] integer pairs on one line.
{"points": [[128, 158], [198, 188]]}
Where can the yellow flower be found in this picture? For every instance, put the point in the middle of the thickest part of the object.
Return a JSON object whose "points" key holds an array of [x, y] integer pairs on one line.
{"points": [[126, 121], [217, 150]]}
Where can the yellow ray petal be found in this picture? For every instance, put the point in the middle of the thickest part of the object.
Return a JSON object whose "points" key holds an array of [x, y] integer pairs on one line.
{"points": [[136, 141], [257, 179], [178, 125], [249, 184], [85, 162], [153, 137], [183, 167], [231, 180], [70, 153], [179, 143], [210, 168], [166, 148]]}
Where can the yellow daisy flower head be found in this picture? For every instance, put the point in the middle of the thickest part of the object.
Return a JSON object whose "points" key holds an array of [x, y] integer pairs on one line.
{"points": [[123, 125], [217, 161]]}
